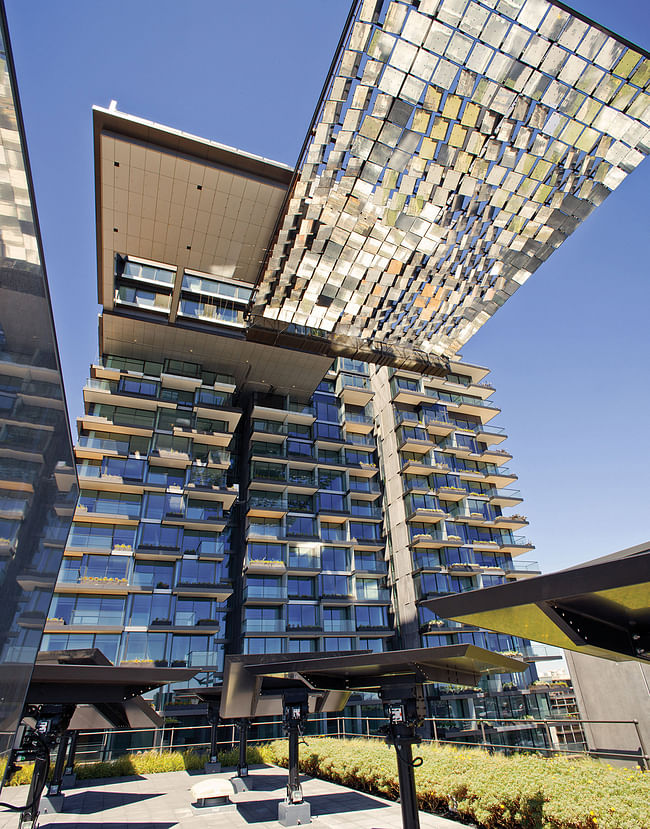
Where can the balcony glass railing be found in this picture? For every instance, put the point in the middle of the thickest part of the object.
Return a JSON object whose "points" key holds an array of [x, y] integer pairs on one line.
{"points": [[338, 626], [521, 566], [379, 595], [264, 626], [104, 445], [304, 562], [254, 591]]}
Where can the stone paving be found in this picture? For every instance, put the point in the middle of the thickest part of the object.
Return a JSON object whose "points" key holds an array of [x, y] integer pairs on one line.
{"points": [[163, 801]]}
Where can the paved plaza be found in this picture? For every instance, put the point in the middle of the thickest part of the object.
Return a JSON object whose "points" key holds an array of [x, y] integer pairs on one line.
{"points": [[163, 801]]}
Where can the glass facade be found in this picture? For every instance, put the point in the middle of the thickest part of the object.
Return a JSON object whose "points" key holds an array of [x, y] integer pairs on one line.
{"points": [[38, 487]]}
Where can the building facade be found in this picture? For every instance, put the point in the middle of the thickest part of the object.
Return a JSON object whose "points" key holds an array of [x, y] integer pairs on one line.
{"points": [[237, 496]]}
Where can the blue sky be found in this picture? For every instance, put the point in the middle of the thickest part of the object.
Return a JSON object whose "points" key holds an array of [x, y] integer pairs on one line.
{"points": [[568, 353]]}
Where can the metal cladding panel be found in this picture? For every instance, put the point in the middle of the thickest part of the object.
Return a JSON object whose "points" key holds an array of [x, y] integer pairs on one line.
{"points": [[458, 144], [599, 608]]}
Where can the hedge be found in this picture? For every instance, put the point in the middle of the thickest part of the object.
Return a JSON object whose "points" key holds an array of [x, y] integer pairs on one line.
{"points": [[493, 790]]}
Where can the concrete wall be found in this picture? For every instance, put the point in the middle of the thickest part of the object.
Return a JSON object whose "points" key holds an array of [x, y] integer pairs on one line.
{"points": [[607, 690]]}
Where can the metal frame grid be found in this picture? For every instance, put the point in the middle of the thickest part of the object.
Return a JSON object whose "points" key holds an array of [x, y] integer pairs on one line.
{"points": [[458, 144]]}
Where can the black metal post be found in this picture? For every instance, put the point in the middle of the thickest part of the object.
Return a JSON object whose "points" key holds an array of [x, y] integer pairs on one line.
{"points": [[213, 743], [41, 767], [294, 791], [407, 796], [69, 764], [405, 708], [242, 763], [54, 787]]}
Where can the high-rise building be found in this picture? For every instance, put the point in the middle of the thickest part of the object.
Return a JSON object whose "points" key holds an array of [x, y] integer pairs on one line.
{"points": [[237, 496], [38, 488]]}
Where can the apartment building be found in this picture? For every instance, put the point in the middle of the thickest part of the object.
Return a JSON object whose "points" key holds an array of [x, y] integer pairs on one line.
{"points": [[238, 496]]}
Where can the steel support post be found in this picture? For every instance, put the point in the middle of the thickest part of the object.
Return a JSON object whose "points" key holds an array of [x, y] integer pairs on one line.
{"points": [[69, 763], [242, 763], [407, 795], [54, 787], [30, 816], [294, 790]]}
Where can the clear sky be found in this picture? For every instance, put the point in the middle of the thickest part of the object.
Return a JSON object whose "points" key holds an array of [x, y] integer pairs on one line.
{"points": [[568, 353]]}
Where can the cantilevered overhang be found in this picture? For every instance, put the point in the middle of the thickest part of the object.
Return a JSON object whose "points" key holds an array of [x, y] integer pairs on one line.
{"points": [[456, 145], [600, 608], [171, 198]]}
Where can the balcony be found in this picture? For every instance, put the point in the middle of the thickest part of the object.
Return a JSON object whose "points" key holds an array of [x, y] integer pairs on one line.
{"points": [[260, 507], [265, 566], [451, 493], [354, 389], [219, 592], [522, 569], [91, 447], [517, 545], [505, 497], [358, 423], [434, 539], [510, 522], [427, 515], [264, 594]]}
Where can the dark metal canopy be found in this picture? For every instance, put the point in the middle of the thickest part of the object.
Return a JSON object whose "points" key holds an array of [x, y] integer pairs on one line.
{"points": [[601, 607], [85, 677], [250, 680]]}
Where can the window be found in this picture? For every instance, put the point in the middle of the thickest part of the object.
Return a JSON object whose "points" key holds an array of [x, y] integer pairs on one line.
{"points": [[299, 449], [153, 574], [301, 615], [328, 431], [358, 456], [151, 609], [267, 644], [331, 502], [300, 587], [335, 558], [302, 645], [298, 525], [138, 387], [326, 408], [362, 531], [191, 612], [337, 643], [268, 471], [371, 616], [300, 503], [159, 536], [260, 551], [265, 526], [331, 479], [332, 532], [203, 573], [335, 585], [374, 645]]}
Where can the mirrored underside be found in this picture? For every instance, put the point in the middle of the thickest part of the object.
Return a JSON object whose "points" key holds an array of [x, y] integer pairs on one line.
{"points": [[459, 143]]}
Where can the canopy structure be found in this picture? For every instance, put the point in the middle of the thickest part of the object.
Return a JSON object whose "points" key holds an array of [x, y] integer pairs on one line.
{"points": [[456, 145], [106, 696], [599, 608], [249, 681]]}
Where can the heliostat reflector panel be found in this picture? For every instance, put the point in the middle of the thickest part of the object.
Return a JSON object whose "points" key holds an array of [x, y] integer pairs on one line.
{"points": [[458, 144]]}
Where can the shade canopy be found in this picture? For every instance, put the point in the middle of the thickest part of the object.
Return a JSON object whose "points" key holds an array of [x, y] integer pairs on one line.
{"points": [[249, 680], [105, 695], [600, 608]]}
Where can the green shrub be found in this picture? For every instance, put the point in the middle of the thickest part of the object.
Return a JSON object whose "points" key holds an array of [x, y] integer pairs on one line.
{"points": [[495, 791]]}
